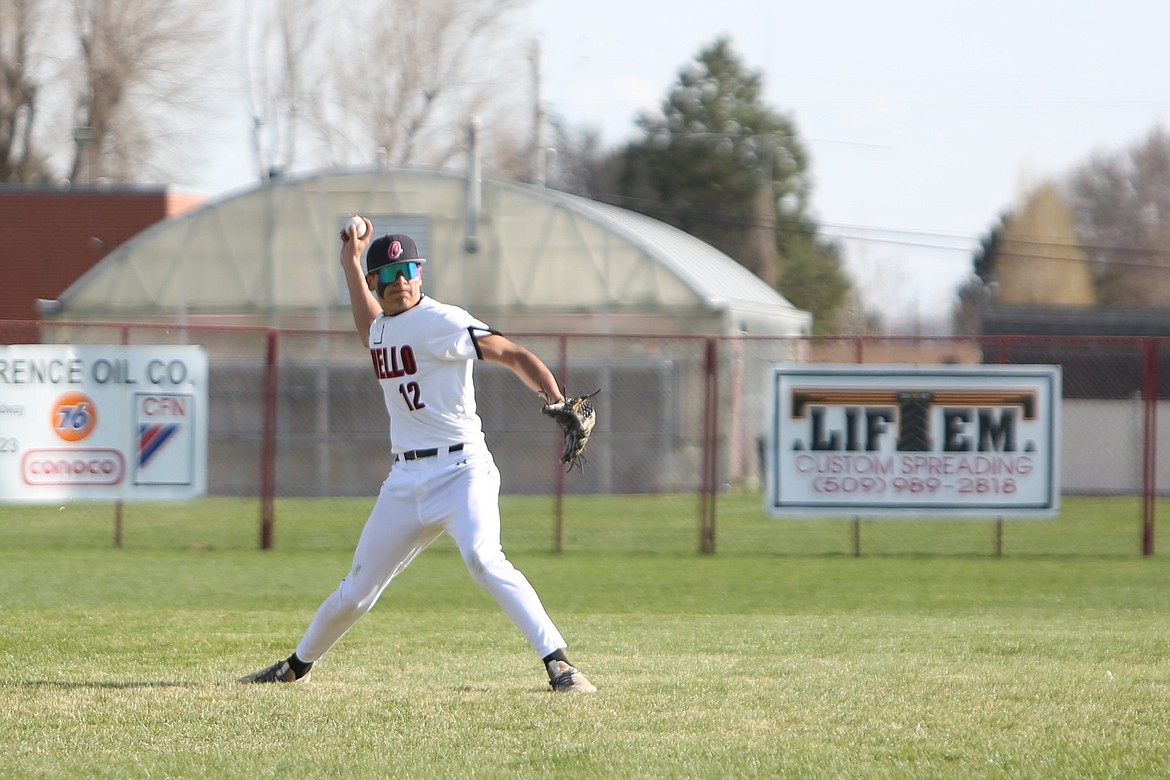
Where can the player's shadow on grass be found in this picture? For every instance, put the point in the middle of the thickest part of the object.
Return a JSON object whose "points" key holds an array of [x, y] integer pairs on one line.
{"points": [[98, 684]]}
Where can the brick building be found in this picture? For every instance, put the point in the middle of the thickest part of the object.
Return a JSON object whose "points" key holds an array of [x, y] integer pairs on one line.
{"points": [[49, 237]]}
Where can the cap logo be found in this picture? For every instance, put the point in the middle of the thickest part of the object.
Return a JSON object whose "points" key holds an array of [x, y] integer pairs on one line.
{"points": [[395, 250]]}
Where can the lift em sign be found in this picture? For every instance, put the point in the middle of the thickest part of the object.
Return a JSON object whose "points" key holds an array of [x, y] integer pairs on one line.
{"points": [[903, 440]]}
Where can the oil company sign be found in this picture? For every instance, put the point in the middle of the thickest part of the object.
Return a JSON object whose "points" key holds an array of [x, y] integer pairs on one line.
{"points": [[885, 440], [102, 422]]}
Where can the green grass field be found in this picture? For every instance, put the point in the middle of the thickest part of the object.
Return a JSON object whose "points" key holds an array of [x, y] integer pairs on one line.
{"points": [[781, 655]]}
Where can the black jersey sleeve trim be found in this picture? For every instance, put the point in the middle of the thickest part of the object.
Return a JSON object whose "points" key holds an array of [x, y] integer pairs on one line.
{"points": [[476, 334]]}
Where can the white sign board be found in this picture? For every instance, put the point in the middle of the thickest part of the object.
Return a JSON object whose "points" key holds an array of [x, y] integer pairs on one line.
{"points": [[898, 440], [102, 422]]}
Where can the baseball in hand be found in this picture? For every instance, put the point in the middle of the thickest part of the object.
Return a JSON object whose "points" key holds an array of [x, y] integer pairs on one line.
{"points": [[356, 226]]}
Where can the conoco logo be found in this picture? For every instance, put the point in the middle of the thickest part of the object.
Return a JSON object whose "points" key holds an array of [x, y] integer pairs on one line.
{"points": [[73, 467]]}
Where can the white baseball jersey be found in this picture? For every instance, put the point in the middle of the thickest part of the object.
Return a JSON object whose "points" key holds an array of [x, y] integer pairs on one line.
{"points": [[423, 359]]}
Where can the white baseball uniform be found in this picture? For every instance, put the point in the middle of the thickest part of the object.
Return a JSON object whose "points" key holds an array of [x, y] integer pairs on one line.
{"points": [[443, 478]]}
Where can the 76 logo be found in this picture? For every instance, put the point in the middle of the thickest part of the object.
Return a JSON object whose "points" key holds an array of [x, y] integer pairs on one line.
{"points": [[74, 416]]}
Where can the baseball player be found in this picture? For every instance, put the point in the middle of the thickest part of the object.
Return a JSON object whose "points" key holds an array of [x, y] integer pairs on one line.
{"points": [[442, 478]]}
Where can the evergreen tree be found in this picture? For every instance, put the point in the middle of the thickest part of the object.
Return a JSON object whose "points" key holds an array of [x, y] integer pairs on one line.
{"points": [[721, 165]]}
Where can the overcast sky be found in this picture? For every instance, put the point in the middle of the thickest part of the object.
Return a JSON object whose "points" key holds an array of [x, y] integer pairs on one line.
{"points": [[924, 119]]}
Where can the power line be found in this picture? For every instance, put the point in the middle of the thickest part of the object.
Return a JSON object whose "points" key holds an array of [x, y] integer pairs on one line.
{"points": [[908, 237]]}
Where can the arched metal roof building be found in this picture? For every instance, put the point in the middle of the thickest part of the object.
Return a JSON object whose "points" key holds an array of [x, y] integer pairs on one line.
{"points": [[523, 258]]}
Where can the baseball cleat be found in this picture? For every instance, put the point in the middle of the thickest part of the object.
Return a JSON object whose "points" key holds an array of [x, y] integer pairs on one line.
{"points": [[563, 677], [278, 672]]}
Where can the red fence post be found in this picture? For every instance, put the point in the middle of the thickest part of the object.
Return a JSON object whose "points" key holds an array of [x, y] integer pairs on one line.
{"points": [[1149, 442], [559, 478], [119, 508], [709, 479], [268, 440]]}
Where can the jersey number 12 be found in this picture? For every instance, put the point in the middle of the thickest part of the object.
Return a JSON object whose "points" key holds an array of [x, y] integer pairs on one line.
{"points": [[412, 395]]}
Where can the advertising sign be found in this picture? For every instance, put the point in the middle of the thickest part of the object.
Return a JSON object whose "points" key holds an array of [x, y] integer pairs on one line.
{"points": [[884, 440], [102, 422]]}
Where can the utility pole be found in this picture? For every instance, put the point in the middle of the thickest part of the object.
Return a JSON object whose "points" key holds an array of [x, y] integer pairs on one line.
{"points": [[83, 163], [536, 156]]}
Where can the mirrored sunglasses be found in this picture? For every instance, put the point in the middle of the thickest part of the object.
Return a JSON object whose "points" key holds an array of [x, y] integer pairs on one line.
{"points": [[388, 273]]}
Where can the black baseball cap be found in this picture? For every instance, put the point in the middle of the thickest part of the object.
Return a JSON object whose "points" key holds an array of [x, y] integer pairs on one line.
{"points": [[391, 248]]}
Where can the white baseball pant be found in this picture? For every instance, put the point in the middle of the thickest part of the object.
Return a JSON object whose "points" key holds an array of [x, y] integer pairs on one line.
{"points": [[453, 492]]}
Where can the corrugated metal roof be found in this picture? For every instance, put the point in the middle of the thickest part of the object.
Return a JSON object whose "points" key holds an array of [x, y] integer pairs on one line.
{"points": [[538, 252]]}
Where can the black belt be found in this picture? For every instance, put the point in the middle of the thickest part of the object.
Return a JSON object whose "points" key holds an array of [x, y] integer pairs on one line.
{"points": [[432, 452]]}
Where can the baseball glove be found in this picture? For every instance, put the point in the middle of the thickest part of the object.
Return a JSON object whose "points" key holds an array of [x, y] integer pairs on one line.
{"points": [[576, 416]]}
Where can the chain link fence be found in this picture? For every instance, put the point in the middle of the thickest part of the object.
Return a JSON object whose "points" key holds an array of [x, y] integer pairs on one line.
{"points": [[297, 413]]}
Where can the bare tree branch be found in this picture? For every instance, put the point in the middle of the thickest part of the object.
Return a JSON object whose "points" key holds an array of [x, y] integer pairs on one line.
{"points": [[283, 52], [135, 56], [21, 25], [117, 89], [1121, 202], [405, 91]]}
